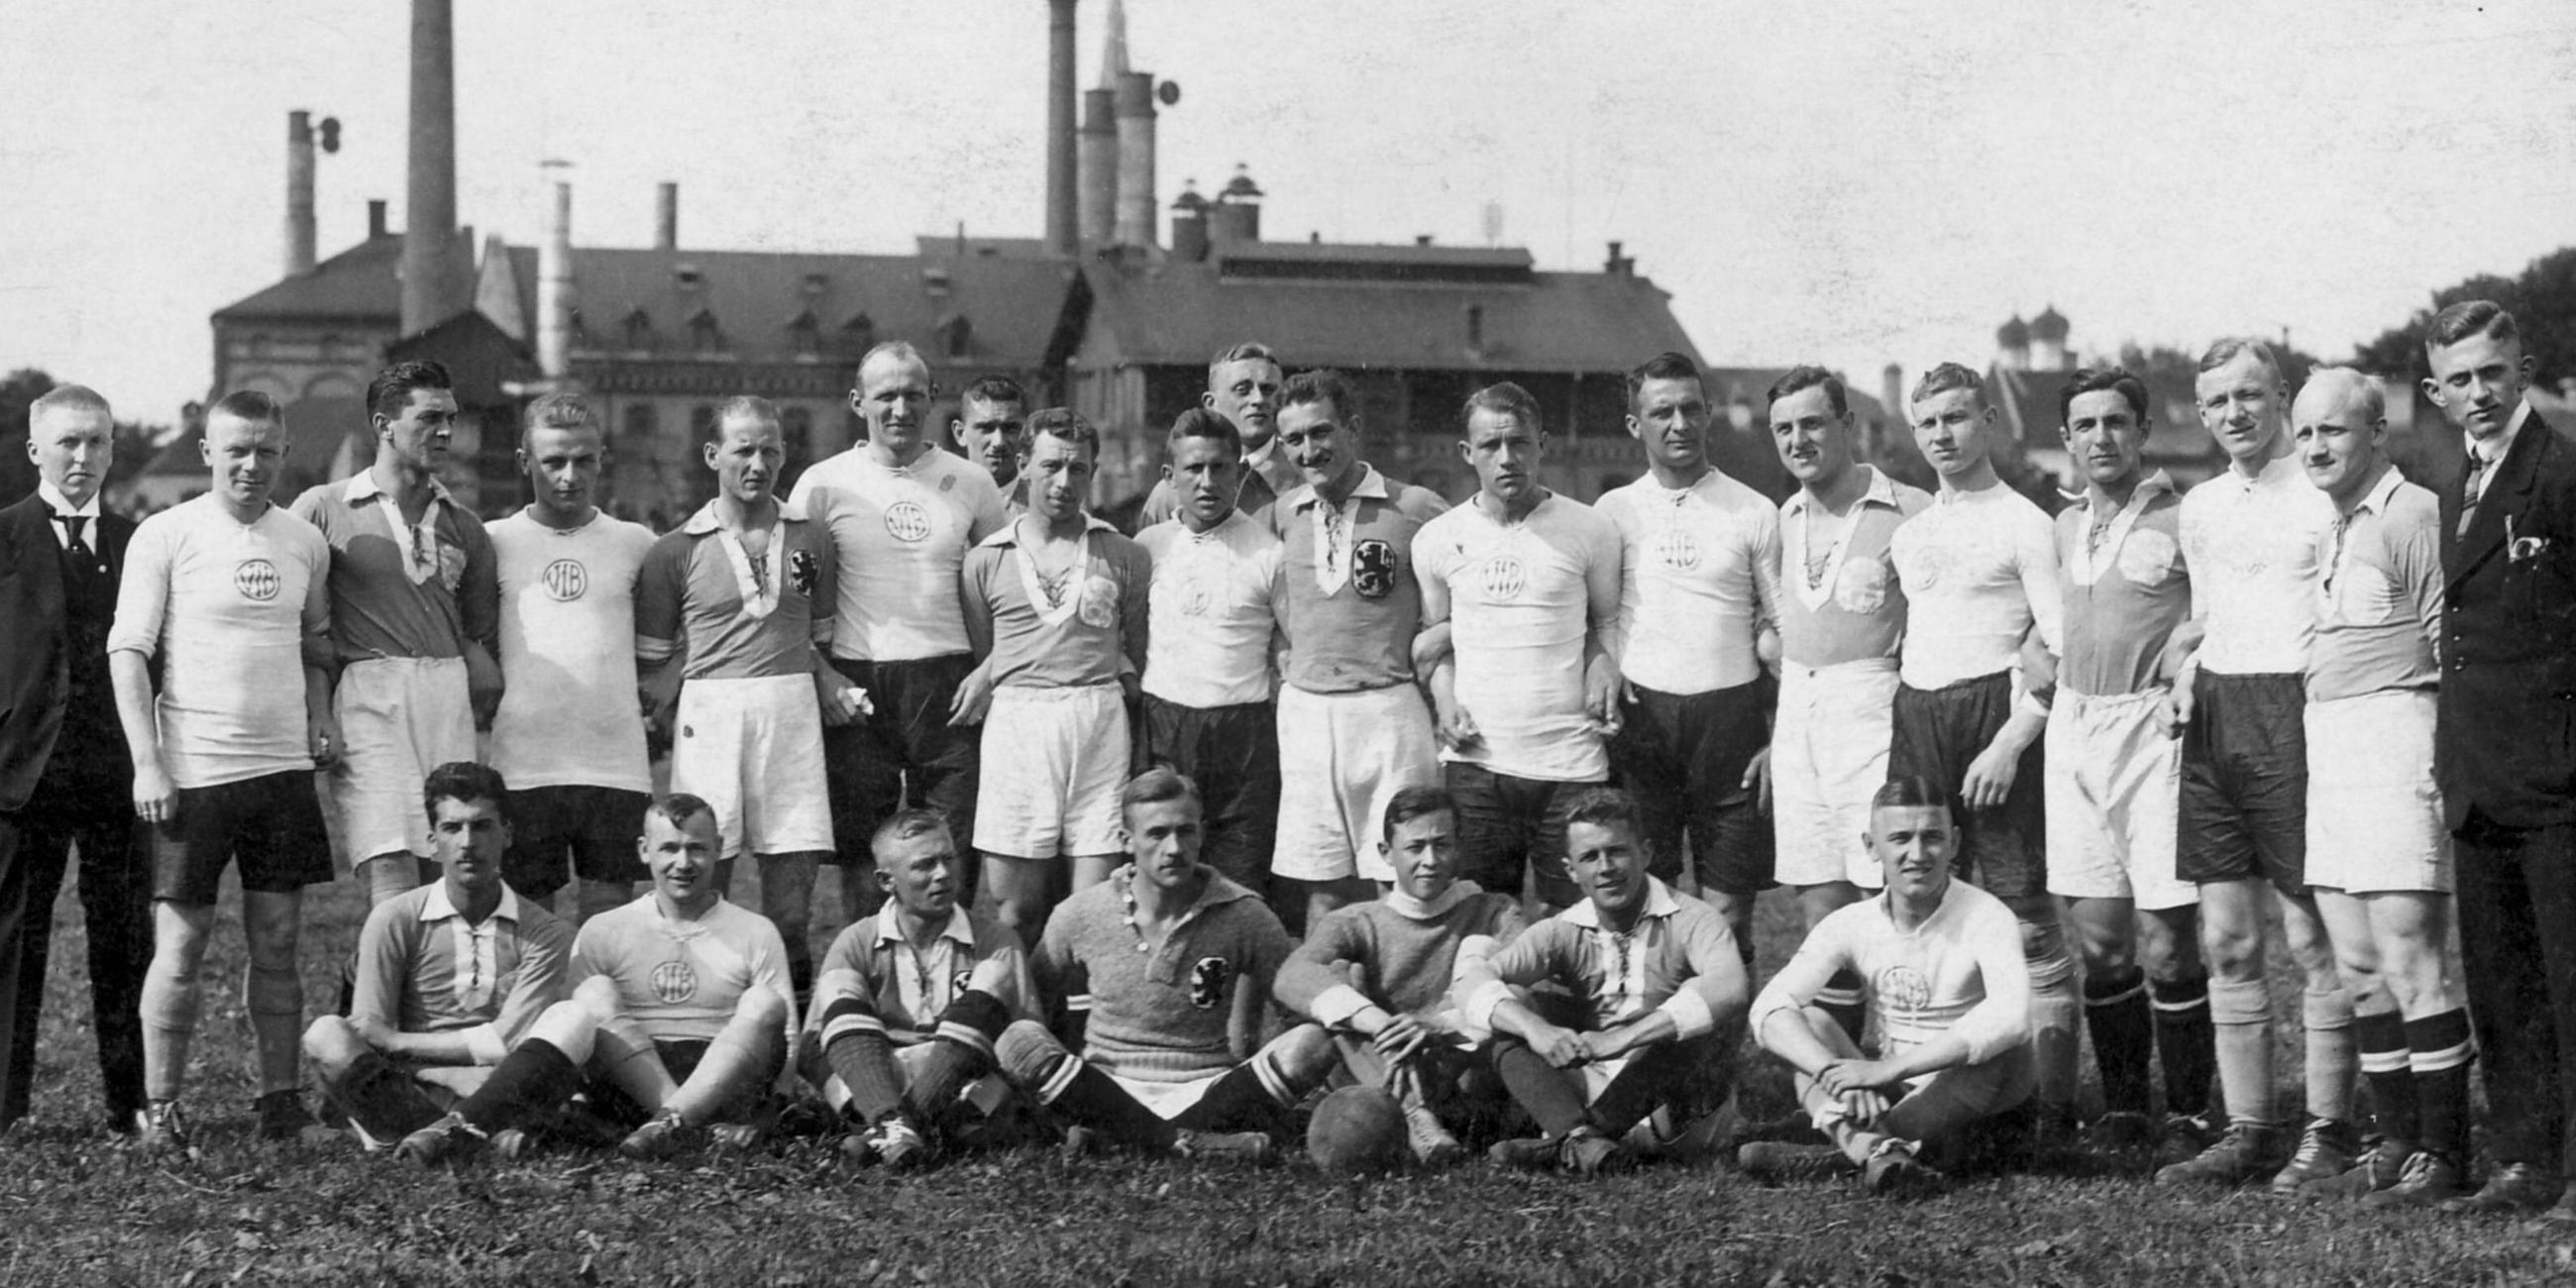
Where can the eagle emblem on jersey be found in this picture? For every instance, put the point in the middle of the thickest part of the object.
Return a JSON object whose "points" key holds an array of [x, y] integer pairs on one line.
{"points": [[1196, 598], [674, 982], [1100, 603], [451, 566], [1924, 566], [1861, 586], [2147, 557], [908, 521], [1504, 578], [957, 983], [257, 580], [1903, 989], [1677, 548], [565, 580], [1208, 979], [801, 572], [1374, 566]]}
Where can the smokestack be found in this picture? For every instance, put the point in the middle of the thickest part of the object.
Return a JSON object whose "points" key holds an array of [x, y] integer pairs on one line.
{"points": [[666, 218], [1236, 214], [432, 281], [1189, 225], [299, 193], [1136, 213], [554, 282], [1059, 194], [1099, 168]]}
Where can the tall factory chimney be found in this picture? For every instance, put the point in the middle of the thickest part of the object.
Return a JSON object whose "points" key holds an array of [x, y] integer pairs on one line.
{"points": [[1060, 200], [299, 194], [1099, 168], [433, 281], [554, 281], [666, 218]]}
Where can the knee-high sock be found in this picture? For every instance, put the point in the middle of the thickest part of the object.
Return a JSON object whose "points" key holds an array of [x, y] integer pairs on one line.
{"points": [[627, 1058], [1826, 1112], [534, 1079], [2384, 1064], [1552, 1096], [740, 1059], [2439, 1051], [1072, 1088], [1841, 998], [274, 996], [2240, 1013], [2184, 1043], [862, 1060], [1691, 1076], [1258, 1093], [171, 1000], [2117, 1015], [2330, 1064], [385, 1102], [2054, 1007], [961, 1053]]}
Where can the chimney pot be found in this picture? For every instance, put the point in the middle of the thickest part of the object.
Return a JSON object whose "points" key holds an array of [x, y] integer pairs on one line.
{"points": [[1422, 239], [666, 217], [375, 219]]}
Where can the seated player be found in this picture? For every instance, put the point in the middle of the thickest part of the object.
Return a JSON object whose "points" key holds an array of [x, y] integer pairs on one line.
{"points": [[1946, 977], [1163, 973], [910, 1001], [679, 1017], [1377, 975], [1660, 987], [448, 975]]}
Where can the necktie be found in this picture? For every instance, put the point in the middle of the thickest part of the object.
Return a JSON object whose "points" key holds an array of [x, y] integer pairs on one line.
{"points": [[73, 523], [2471, 489]]}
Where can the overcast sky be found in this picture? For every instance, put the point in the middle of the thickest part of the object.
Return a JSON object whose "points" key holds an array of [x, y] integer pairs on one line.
{"points": [[1856, 183]]}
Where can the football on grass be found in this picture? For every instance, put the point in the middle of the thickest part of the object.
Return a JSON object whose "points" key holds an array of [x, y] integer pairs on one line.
{"points": [[1355, 1131]]}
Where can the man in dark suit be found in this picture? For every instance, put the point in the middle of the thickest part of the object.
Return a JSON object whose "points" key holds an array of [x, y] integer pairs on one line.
{"points": [[65, 779], [2505, 750]]}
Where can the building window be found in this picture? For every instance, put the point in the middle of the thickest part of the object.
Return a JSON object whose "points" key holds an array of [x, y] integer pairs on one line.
{"points": [[639, 330], [704, 335], [805, 334], [860, 332], [957, 335]]}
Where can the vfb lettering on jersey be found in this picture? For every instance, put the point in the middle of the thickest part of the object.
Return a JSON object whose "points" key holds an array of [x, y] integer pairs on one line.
{"points": [[257, 580], [674, 982], [908, 521], [566, 580]]}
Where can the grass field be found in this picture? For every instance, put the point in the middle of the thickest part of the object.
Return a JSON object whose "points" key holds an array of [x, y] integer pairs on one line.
{"points": [[77, 1209]]}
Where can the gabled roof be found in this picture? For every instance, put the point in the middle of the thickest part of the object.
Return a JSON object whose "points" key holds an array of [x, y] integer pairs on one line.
{"points": [[2026, 402], [357, 284]]}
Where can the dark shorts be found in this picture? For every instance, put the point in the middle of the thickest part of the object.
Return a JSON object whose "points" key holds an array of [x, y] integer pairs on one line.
{"points": [[1232, 753], [1682, 755], [271, 825], [680, 1057], [557, 832], [1508, 825], [1938, 734], [2243, 813], [904, 742]]}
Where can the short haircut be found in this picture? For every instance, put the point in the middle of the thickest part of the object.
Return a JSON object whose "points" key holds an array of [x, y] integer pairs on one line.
{"points": [[1663, 366], [250, 405], [1322, 385], [1154, 787], [1415, 802], [1606, 807], [1912, 792], [1504, 398], [2367, 399], [463, 781], [1946, 377], [2224, 351], [1244, 351], [68, 398], [2468, 318], [560, 411], [1061, 423], [678, 808], [1810, 376], [907, 824], [2093, 380], [390, 391], [995, 389], [743, 406], [1199, 422], [901, 349]]}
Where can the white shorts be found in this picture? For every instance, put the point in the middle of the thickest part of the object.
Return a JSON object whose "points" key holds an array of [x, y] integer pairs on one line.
{"points": [[753, 748], [400, 717], [2374, 810], [1169, 1100], [1342, 756], [1828, 757], [2114, 783], [1054, 761]]}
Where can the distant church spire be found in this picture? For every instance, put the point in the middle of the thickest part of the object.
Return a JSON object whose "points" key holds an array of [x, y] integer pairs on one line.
{"points": [[1113, 47]]}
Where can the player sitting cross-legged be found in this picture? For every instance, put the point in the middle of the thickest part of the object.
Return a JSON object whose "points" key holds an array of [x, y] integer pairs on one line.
{"points": [[1378, 974], [448, 975], [679, 1016], [910, 1000]]}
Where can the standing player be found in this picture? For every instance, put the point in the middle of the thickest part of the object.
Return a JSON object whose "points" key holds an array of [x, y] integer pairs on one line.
{"points": [[2378, 856], [2507, 768], [1055, 610], [1164, 975], [230, 593], [1243, 386], [2253, 538], [1946, 976], [1353, 729], [1980, 575], [1208, 712], [414, 616], [679, 1017], [1661, 992], [1699, 584], [570, 732], [2113, 773], [1840, 623], [992, 418], [911, 1000], [65, 776], [1378, 975], [1529, 689], [902, 514], [738, 603], [448, 975]]}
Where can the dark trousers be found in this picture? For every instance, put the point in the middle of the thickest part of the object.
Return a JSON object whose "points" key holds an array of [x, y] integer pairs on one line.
{"points": [[115, 895], [2517, 909], [1232, 753], [1508, 825], [904, 749]]}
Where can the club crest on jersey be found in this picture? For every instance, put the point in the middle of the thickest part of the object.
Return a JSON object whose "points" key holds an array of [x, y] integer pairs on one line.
{"points": [[957, 982], [801, 571], [1677, 548], [257, 580], [1861, 586], [908, 521], [451, 566], [1504, 578], [948, 484], [1903, 989], [674, 982], [1208, 979], [566, 580], [1100, 603], [2147, 557], [1373, 568]]}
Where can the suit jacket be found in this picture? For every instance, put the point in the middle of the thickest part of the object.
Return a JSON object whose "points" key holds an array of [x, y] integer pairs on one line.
{"points": [[2507, 740], [35, 668]]}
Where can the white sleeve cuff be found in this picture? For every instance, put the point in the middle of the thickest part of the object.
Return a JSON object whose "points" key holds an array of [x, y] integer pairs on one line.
{"points": [[1691, 1016], [1477, 1007], [484, 1043], [1334, 1007]]}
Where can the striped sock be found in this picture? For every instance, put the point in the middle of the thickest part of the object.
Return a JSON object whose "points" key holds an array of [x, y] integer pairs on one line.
{"points": [[2185, 1044], [2117, 1015], [2392, 1082], [1842, 999]]}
